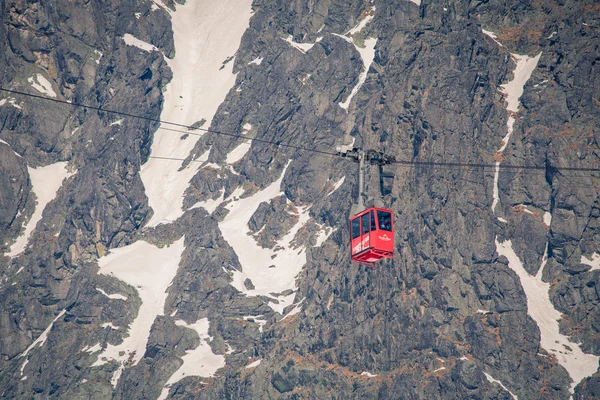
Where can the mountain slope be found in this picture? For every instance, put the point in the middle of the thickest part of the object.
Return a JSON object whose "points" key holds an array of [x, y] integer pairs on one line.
{"points": [[227, 275]]}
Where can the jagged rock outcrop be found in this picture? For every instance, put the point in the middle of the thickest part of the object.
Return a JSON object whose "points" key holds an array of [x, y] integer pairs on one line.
{"points": [[448, 317]]}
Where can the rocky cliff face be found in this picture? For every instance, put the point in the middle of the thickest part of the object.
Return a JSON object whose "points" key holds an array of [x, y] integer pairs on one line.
{"points": [[140, 260]]}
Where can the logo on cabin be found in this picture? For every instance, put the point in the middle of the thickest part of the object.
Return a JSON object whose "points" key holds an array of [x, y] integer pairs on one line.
{"points": [[385, 238]]}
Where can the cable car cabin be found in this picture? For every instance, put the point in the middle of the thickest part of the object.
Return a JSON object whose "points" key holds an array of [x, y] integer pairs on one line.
{"points": [[372, 235]]}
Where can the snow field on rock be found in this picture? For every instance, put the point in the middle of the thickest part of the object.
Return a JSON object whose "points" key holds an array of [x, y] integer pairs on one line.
{"points": [[44, 336], [513, 91], [270, 270], [42, 85], [578, 364], [367, 54], [197, 362], [45, 183], [206, 33], [149, 270]]}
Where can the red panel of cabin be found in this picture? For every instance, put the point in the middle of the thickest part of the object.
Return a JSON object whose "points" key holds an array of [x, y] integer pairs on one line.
{"points": [[372, 235]]}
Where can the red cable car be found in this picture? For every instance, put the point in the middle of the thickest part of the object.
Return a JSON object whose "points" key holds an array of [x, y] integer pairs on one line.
{"points": [[371, 228], [372, 235]]}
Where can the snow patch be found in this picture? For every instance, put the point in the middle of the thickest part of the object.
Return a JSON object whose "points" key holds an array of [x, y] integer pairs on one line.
{"points": [[115, 296], [44, 336], [492, 380], [99, 54], [323, 234], [594, 262], [439, 369], [270, 270], [513, 90], [131, 40], [149, 270], [368, 374], [205, 33], [45, 183], [547, 218], [238, 153], [256, 61], [417, 2], [117, 122], [23, 366], [200, 361], [42, 85], [11, 101], [502, 219], [578, 364]]}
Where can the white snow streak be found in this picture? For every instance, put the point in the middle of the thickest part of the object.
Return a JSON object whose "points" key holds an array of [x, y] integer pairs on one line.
{"points": [[92, 349], [23, 366], [149, 270], [42, 85], [115, 296], [45, 182], [492, 380], [578, 364], [336, 186], [131, 40], [513, 91], [16, 154], [295, 310], [253, 364], [367, 55], [200, 361], [205, 34], [362, 23], [303, 47], [417, 2], [44, 336]]}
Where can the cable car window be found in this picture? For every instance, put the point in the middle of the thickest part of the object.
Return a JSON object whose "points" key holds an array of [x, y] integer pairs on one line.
{"points": [[365, 224], [385, 220], [355, 228], [373, 222]]}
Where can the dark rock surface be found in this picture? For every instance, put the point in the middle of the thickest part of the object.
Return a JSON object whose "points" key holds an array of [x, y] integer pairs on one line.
{"points": [[436, 322]]}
